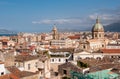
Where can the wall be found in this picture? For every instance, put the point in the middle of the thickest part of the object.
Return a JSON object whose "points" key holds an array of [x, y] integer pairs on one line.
{"points": [[36, 76]]}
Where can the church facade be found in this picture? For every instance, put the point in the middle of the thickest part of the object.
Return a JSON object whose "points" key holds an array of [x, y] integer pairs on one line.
{"points": [[98, 40]]}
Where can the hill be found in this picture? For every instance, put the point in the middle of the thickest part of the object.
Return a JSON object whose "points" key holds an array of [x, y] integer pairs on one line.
{"points": [[114, 27], [4, 31]]}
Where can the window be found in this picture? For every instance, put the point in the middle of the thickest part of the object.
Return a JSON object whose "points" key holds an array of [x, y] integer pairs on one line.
{"points": [[95, 35], [4, 43], [59, 60], [66, 60], [98, 58], [52, 60], [28, 66], [100, 35], [36, 64], [2, 73], [102, 45], [84, 46], [64, 72]]}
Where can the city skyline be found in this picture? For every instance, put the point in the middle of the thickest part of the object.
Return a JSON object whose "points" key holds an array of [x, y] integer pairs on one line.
{"points": [[41, 15]]}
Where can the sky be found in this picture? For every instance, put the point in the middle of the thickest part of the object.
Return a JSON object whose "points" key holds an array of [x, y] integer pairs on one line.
{"points": [[41, 15]]}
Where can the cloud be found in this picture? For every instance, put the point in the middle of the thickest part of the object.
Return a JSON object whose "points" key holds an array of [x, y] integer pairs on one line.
{"points": [[107, 16], [58, 21], [102, 16]]}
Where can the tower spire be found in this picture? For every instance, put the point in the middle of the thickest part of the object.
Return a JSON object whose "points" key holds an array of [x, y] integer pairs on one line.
{"points": [[54, 27], [97, 20]]}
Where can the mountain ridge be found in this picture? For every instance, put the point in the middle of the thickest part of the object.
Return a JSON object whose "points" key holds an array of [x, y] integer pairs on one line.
{"points": [[5, 31], [114, 27]]}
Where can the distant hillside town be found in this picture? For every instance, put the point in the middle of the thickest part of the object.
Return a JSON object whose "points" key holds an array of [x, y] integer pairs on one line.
{"points": [[91, 54]]}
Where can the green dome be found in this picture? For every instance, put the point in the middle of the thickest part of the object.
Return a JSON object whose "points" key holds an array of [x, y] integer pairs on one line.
{"points": [[97, 26]]}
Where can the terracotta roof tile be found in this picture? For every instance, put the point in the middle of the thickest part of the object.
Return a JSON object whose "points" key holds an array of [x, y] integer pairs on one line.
{"points": [[9, 76], [74, 37], [110, 50], [21, 58], [101, 67], [17, 73], [24, 53]]}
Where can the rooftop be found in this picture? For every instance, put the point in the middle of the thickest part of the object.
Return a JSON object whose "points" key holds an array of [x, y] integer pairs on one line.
{"points": [[21, 58], [110, 51], [102, 67], [8, 76], [15, 71]]}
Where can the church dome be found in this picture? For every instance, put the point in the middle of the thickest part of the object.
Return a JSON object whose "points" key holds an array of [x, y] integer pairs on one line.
{"points": [[98, 27]]}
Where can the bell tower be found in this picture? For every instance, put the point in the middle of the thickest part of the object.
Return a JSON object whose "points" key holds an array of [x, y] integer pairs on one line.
{"points": [[55, 32]]}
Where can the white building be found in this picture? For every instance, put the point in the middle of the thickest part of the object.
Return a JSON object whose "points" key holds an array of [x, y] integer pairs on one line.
{"points": [[59, 57], [87, 55], [113, 46], [3, 70]]}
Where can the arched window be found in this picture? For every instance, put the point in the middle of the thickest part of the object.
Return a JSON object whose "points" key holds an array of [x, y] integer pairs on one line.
{"points": [[98, 58], [95, 35]]}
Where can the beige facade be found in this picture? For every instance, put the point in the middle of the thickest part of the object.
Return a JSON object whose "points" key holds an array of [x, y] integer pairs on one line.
{"points": [[29, 65], [4, 37], [38, 38], [11, 43], [35, 76], [7, 57], [1, 45], [33, 64], [62, 43]]}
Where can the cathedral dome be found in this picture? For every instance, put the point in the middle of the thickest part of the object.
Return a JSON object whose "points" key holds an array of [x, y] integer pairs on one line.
{"points": [[97, 27]]}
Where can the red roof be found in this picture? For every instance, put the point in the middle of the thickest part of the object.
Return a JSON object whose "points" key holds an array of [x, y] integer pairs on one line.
{"points": [[110, 50], [24, 53], [4, 40], [1, 62], [74, 37], [17, 74], [32, 47], [9, 76]]}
